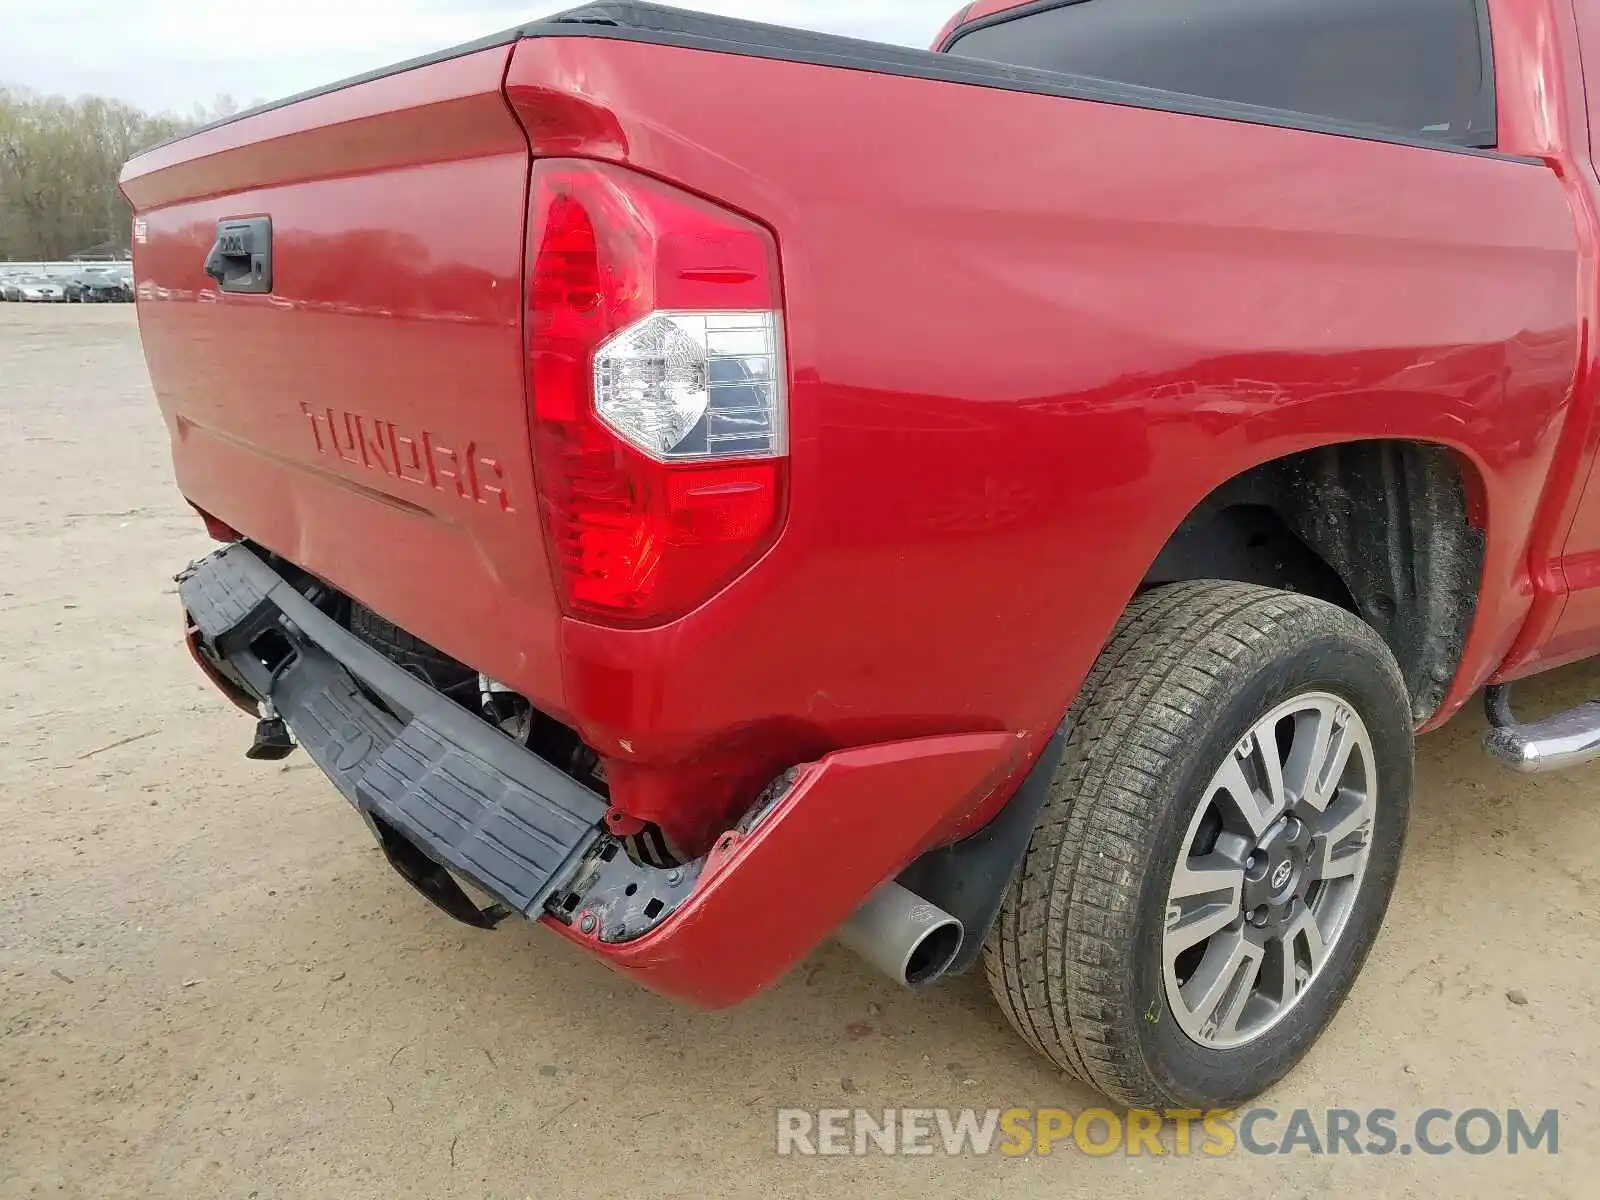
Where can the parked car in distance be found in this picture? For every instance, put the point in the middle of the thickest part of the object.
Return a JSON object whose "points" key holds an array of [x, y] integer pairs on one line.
{"points": [[35, 289], [98, 285], [76, 288]]}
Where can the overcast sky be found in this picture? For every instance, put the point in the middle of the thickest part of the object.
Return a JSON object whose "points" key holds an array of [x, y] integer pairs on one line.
{"points": [[176, 53]]}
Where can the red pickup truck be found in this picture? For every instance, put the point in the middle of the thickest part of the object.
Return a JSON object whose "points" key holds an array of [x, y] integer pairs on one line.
{"points": [[708, 487]]}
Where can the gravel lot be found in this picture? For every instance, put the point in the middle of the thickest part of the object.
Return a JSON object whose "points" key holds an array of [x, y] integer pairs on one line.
{"points": [[210, 984]]}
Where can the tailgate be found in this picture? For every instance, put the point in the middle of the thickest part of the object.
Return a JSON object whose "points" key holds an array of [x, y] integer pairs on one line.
{"points": [[365, 417]]}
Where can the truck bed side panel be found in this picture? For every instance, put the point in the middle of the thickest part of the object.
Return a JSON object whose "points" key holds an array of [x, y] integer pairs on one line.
{"points": [[1028, 334]]}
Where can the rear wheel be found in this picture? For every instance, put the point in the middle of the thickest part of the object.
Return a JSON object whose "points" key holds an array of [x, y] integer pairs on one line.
{"points": [[1220, 844]]}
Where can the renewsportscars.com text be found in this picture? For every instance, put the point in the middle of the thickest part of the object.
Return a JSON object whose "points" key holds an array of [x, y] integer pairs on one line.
{"points": [[1100, 1131]]}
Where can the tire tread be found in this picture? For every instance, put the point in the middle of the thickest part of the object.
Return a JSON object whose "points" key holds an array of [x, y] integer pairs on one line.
{"points": [[1057, 960]]}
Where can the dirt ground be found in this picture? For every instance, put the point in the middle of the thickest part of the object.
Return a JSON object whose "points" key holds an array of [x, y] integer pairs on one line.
{"points": [[211, 985]]}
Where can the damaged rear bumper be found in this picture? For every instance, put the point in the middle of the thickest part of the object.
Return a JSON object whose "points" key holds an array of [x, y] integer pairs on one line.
{"points": [[450, 798]]}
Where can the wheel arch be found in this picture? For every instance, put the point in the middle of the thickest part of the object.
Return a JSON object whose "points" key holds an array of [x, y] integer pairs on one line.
{"points": [[1394, 530]]}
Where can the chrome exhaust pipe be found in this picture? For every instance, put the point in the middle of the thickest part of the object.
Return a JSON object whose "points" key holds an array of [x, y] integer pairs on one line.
{"points": [[910, 940]]}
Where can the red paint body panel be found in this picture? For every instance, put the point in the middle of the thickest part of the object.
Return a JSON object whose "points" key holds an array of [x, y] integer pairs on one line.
{"points": [[367, 419], [989, 8], [957, 19], [1013, 377], [1542, 113], [1027, 335], [1565, 625], [766, 900]]}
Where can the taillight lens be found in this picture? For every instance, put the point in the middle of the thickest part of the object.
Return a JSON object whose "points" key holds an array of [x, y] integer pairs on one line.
{"points": [[658, 381], [685, 385]]}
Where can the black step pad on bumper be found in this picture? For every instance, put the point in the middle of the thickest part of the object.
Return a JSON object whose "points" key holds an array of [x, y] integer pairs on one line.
{"points": [[473, 818], [466, 796]]}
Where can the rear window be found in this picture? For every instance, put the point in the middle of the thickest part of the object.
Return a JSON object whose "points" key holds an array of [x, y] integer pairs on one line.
{"points": [[1418, 68]]}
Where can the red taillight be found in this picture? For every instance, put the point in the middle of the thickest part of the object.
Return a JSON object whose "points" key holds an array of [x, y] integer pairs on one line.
{"points": [[659, 409]]}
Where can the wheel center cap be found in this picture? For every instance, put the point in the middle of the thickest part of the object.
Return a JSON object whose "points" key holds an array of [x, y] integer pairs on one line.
{"points": [[1276, 873]]}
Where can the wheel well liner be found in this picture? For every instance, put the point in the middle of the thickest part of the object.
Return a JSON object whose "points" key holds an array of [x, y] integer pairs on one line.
{"points": [[1383, 528]]}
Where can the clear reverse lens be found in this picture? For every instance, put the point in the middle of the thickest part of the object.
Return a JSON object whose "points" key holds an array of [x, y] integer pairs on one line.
{"points": [[691, 386]]}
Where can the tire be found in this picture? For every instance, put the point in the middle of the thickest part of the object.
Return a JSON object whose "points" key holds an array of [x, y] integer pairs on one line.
{"points": [[1077, 958], [439, 671]]}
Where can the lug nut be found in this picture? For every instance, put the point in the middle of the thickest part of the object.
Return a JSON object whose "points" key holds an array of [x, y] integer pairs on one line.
{"points": [[588, 923], [1259, 917]]}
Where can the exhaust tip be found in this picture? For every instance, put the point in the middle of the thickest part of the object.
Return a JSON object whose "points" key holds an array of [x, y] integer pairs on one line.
{"points": [[910, 940], [932, 955]]}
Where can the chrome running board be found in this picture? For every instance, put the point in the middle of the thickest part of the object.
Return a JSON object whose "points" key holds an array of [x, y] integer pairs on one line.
{"points": [[1567, 739]]}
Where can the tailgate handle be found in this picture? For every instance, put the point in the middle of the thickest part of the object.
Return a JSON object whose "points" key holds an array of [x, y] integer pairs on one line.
{"points": [[241, 258]]}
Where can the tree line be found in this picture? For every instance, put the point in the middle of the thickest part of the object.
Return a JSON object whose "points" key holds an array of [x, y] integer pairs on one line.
{"points": [[59, 161]]}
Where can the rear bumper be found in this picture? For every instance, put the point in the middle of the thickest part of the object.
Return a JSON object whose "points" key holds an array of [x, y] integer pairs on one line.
{"points": [[448, 796]]}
